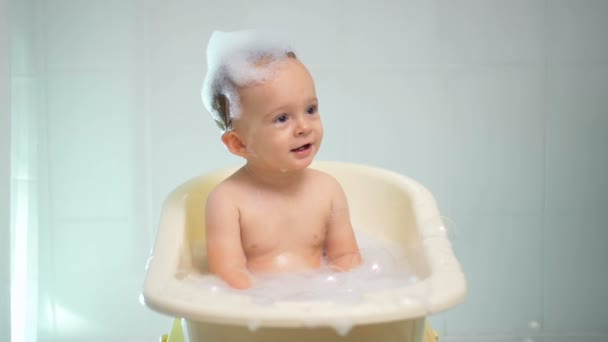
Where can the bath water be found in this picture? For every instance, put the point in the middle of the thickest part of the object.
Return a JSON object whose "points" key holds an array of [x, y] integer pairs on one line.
{"points": [[384, 267]]}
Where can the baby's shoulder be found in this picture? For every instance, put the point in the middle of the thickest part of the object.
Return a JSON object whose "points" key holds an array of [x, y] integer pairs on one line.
{"points": [[227, 190], [324, 179]]}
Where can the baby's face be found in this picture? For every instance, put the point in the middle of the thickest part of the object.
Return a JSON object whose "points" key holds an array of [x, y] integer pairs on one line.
{"points": [[280, 124]]}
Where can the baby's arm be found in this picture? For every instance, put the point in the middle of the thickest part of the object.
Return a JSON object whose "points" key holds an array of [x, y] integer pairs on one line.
{"points": [[224, 250], [341, 246]]}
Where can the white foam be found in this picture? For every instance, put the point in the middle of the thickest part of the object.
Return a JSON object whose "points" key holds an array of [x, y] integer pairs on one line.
{"points": [[384, 267], [231, 58]]}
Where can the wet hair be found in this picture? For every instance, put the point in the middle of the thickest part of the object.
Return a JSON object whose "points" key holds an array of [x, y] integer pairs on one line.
{"points": [[225, 103]]}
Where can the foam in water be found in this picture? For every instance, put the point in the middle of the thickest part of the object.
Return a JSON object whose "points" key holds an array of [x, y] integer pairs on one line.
{"points": [[384, 267]]}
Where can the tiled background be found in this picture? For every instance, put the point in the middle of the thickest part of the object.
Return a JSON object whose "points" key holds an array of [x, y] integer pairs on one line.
{"points": [[5, 138], [499, 107]]}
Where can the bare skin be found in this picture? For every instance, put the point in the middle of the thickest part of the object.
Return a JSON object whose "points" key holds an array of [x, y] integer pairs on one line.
{"points": [[275, 214]]}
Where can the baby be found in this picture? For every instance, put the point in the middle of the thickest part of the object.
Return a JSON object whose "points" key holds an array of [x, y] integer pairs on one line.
{"points": [[274, 214]]}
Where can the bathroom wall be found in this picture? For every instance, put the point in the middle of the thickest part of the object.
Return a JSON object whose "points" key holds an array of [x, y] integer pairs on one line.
{"points": [[5, 164], [499, 107]]}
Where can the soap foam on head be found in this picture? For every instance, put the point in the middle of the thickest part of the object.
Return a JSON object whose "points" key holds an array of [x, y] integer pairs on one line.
{"points": [[238, 59]]}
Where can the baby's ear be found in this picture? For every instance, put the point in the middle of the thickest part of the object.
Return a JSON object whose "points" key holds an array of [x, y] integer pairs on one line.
{"points": [[234, 143]]}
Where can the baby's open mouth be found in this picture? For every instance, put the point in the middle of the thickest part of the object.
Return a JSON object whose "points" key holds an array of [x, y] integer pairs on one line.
{"points": [[301, 148]]}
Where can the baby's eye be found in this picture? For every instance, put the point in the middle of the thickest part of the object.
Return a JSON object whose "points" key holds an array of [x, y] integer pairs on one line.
{"points": [[281, 118], [311, 109]]}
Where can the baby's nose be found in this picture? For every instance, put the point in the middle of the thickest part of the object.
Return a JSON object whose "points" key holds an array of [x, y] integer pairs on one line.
{"points": [[302, 127]]}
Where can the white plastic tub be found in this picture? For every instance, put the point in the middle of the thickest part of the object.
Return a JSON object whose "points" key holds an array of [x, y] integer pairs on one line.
{"points": [[388, 204]]}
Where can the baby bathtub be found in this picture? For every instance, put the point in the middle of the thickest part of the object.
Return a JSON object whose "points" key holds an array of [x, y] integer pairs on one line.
{"points": [[387, 204]]}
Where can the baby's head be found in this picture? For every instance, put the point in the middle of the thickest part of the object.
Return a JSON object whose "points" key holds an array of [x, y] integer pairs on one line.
{"points": [[264, 100]]}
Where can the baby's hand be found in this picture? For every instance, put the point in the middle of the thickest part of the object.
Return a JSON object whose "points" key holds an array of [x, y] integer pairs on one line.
{"points": [[238, 278], [346, 262]]}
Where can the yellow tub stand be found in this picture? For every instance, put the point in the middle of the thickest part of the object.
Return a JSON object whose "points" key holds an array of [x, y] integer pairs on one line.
{"points": [[177, 333]]}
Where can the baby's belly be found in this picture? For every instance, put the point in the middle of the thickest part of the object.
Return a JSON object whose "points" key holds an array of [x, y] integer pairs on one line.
{"points": [[284, 261]]}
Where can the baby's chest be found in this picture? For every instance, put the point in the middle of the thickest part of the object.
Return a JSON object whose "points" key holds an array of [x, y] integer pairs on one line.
{"points": [[283, 223]]}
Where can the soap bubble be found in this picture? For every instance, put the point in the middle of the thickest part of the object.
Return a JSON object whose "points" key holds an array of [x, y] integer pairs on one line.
{"points": [[379, 262], [384, 267], [233, 60]]}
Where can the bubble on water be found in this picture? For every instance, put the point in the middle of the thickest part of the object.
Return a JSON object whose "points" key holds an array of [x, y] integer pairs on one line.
{"points": [[384, 267], [377, 262], [331, 279]]}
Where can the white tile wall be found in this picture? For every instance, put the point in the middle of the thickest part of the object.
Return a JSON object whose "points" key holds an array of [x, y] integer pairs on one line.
{"points": [[531, 338], [85, 35], [314, 26], [577, 134], [502, 261], [499, 107], [389, 32], [397, 109], [90, 127], [496, 150], [175, 33], [576, 31], [477, 32], [94, 251], [24, 51], [574, 272], [5, 171], [575, 191], [97, 281]]}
